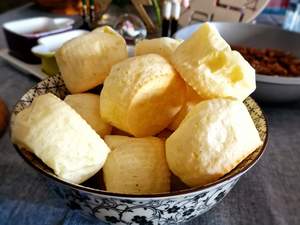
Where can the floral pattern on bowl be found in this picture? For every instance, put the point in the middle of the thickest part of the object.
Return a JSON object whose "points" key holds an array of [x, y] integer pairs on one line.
{"points": [[164, 208]]}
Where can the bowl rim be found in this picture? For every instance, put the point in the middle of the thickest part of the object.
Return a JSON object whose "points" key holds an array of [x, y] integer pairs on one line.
{"points": [[277, 79], [42, 51], [177, 193], [177, 34], [48, 45], [68, 24]]}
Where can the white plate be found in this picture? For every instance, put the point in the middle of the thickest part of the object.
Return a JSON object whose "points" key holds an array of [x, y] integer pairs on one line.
{"points": [[33, 69]]}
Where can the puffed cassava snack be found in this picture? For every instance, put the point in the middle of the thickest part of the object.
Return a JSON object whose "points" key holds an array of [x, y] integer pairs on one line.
{"points": [[163, 46], [56, 134], [88, 107], [85, 61], [206, 62], [215, 136], [192, 98], [136, 166], [142, 95]]}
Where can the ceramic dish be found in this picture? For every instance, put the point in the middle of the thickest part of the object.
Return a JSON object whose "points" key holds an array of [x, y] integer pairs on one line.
{"points": [[26, 68], [275, 89], [22, 35], [167, 208], [47, 47], [222, 10]]}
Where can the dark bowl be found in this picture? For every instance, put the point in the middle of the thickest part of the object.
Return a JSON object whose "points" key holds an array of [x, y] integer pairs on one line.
{"points": [[22, 35]]}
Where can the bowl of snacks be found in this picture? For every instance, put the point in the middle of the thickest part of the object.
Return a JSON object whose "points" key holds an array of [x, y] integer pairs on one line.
{"points": [[157, 138], [273, 52]]}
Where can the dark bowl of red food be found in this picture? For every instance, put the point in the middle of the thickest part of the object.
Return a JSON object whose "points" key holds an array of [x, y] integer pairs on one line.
{"points": [[22, 35]]}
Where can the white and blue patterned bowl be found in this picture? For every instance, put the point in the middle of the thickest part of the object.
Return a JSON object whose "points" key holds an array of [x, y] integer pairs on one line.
{"points": [[166, 208]]}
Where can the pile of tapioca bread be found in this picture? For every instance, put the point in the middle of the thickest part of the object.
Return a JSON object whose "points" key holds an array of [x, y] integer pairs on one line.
{"points": [[175, 107]]}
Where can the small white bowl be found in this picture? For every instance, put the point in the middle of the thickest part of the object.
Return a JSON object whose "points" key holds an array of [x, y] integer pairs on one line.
{"points": [[47, 47], [54, 42]]}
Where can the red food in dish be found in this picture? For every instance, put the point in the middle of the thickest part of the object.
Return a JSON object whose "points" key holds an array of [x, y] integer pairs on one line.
{"points": [[270, 61]]}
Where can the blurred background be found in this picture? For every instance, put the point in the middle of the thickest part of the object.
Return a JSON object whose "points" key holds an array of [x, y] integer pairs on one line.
{"points": [[56, 5], [276, 8], [6, 5]]}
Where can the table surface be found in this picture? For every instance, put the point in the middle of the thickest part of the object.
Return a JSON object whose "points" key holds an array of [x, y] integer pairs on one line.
{"points": [[268, 194]]}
